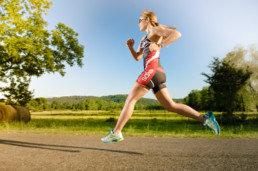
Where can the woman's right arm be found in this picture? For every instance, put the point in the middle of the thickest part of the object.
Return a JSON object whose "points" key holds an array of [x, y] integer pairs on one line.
{"points": [[136, 55]]}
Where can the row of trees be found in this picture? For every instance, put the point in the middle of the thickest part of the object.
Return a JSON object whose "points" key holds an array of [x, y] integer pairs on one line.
{"points": [[233, 83], [89, 104]]}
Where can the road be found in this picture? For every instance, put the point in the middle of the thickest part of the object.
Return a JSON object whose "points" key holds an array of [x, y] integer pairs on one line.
{"points": [[78, 152]]}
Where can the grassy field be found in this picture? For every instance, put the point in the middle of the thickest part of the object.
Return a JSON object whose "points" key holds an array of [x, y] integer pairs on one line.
{"points": [[142, 123]]}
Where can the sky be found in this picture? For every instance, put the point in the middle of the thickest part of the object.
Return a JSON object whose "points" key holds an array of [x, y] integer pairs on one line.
{"points": [[209, 28]]}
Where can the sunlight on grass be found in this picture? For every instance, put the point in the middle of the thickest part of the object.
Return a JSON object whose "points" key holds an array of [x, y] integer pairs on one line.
{"points": [[151, 124]]}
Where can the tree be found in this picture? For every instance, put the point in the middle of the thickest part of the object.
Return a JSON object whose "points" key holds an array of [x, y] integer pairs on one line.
{"points": [[226, 81], [194, 99], [56, 105], [38, 104], [28, 49], [18, 90], [246, 58], [201, 99], [207, 99], [253, 83]]}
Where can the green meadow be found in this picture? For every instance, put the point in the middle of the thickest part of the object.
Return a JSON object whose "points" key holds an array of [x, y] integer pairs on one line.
{"points": [[143, 123]]}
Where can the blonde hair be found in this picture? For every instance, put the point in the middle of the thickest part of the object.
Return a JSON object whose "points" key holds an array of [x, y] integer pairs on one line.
{"points": [[153, 19]]}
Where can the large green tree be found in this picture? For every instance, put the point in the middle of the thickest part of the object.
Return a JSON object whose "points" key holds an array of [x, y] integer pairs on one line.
{"points": [[28, 48], [226, 80]]}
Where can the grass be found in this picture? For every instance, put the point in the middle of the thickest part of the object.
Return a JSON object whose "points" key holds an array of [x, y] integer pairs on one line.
{"points": [[142, 123]]}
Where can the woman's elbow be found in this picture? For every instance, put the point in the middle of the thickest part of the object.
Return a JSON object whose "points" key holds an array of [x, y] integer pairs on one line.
{"points": [[137, 58], [178, 34]]}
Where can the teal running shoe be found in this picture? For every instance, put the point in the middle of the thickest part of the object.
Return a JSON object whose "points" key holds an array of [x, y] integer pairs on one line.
{"points": [[112, 137], [211, 122]]}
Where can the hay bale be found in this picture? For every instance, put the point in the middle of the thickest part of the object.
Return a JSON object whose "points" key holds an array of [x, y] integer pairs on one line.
{"points": [[23, 113], [2, 113], [8, 113]]}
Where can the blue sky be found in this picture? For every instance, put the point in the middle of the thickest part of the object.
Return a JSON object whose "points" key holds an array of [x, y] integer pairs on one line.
{"points": [[209, 28]]}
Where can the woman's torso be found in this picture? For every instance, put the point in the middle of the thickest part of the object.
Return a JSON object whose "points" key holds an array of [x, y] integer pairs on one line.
{"points": [[145, 43]]}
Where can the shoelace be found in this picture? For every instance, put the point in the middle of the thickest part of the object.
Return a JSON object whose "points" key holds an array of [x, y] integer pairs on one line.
{"points": [[110, 132], [210, 123]]}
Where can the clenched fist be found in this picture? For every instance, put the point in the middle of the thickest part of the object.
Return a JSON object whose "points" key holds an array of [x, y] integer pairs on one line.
{"points": [[130, 42]]}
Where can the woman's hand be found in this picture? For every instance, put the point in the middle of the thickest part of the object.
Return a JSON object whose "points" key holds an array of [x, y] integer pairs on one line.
{"points": [[136, 55], [130, 43], [154, 46]]}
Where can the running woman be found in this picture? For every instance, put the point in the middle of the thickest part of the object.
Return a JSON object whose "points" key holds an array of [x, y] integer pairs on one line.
{"points": [[153, 77]]}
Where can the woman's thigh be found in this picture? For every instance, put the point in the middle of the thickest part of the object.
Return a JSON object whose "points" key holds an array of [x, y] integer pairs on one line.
{"points": [[137, 92], [163, 96]]}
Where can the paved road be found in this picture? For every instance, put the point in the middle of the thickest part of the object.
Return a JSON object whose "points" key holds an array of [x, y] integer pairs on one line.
{"points": [[77, 152]]}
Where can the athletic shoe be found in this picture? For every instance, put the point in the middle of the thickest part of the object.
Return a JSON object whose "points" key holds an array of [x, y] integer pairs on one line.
{"points": [[112, 137], [211, 122]]}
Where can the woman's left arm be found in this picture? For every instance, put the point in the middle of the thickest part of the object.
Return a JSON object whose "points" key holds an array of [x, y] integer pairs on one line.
{"points": [[169, 36]]}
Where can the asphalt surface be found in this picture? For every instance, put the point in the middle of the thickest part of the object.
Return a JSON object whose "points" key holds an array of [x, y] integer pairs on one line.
{"points": [[77, 152]]}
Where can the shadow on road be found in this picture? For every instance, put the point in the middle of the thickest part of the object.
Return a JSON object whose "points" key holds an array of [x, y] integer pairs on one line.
{"points": [[56, 147]]}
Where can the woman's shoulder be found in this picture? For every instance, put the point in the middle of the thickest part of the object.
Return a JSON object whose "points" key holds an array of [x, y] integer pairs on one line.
{"points": [[162, 30], [143, 37], [158, 28], [161, 27]]}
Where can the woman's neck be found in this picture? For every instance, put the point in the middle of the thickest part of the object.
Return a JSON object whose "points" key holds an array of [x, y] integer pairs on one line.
{"points": [[149, 27]]}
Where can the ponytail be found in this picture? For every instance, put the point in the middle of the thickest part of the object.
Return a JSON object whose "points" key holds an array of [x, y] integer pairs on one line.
{"points": [[169, 27], [153, 19]]}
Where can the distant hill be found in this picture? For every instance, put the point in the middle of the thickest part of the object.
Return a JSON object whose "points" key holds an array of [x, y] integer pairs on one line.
{"points": [[144, 101], [179, 100], [122, 98], [70, 99]]}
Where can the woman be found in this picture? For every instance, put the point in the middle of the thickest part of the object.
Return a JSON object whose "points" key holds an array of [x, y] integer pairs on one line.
{"points": [[154, 77]]}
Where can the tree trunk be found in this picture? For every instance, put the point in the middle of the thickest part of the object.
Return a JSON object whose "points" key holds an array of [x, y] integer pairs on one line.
{"points": [[243, 103]]}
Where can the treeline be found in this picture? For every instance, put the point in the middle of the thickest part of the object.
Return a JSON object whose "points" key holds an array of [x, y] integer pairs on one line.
{"points": [[205, 100], [88, 104], [201, 99], [120, 98]]}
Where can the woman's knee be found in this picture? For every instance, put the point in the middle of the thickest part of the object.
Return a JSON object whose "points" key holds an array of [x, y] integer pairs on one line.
{"points": [[172, 106], [136, 93], [131, 100]]}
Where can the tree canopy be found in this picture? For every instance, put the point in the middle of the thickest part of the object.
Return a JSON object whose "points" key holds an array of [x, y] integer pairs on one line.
{"points": [[28, 48], [226, 81]]}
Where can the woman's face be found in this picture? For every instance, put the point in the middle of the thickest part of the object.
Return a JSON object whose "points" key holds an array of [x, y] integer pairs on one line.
{"points": [[142, 24]]}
